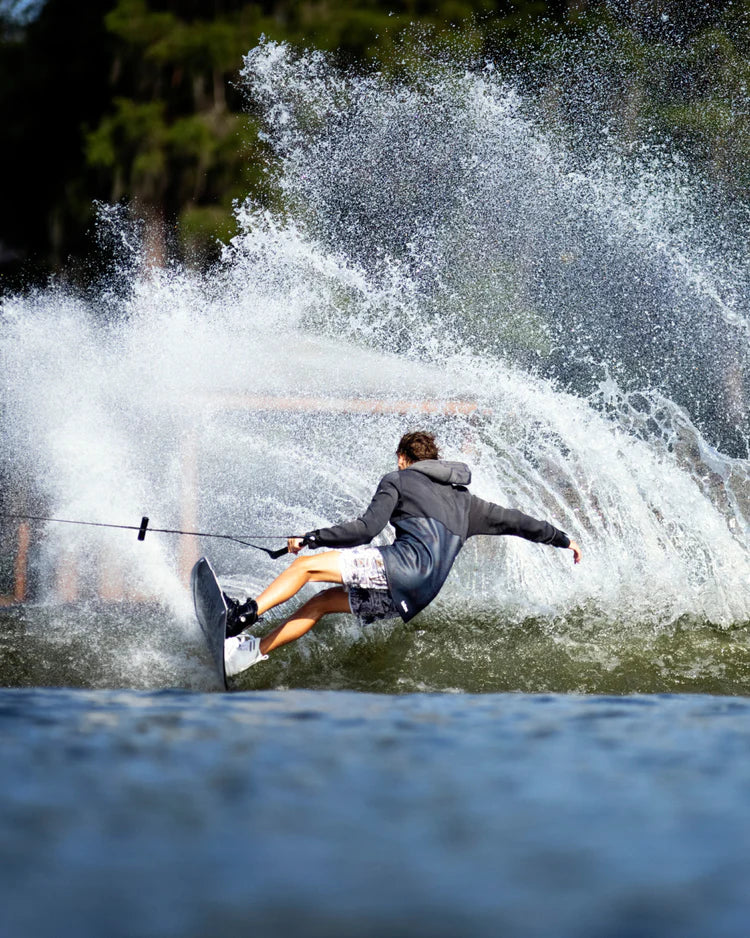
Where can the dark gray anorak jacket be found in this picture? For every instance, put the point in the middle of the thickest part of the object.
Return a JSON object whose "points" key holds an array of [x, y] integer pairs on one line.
{"points": [[433, 514]]}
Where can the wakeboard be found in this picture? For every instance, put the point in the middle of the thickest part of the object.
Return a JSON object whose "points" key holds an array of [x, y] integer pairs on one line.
{"points": [[211, 611]]}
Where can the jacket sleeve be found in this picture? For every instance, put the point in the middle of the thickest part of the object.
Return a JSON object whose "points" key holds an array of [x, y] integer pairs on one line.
{"points": [[488, 518], [361, 530]]}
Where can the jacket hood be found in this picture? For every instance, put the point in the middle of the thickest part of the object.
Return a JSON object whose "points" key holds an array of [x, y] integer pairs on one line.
{"points": [[443, 470]]}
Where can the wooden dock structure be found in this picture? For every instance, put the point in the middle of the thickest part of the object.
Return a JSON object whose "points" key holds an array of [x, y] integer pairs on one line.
{"points": [[66, 578]]}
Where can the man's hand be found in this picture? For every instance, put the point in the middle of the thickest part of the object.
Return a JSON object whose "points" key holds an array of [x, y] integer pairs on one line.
{"points": [[294, 545], [576, 552]]}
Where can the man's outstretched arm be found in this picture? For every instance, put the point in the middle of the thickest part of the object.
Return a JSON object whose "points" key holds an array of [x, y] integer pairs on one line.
{"points": [[360, 531], [489, 518]]}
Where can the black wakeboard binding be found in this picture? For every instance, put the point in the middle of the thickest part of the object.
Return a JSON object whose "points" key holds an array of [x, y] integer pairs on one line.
{"points": [[240, 615]]}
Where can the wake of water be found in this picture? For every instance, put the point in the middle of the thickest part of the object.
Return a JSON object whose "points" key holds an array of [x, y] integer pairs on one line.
{"points": [[434, 247]]}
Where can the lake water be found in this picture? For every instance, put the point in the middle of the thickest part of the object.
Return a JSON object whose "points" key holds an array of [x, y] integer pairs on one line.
{"points": [[339, 813]]}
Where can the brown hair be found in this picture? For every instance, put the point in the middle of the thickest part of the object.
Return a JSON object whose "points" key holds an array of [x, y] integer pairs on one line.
{"points": [[417, 446]]}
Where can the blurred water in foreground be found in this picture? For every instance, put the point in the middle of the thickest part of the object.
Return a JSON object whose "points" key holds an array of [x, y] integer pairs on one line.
{"points": [[326, 814]]}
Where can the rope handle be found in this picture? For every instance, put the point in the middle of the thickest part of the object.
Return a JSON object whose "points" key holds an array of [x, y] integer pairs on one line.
{"points": [[143, 527]]}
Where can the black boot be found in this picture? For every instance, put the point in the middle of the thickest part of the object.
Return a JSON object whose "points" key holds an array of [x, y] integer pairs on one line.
{"points": [[240, 615]]}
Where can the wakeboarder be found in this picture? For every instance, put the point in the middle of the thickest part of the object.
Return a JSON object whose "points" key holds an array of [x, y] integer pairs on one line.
{"points": [[427, 501]]}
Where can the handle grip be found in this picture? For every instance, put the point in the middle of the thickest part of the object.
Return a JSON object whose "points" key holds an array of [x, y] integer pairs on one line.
{"points": [[275, 554]]}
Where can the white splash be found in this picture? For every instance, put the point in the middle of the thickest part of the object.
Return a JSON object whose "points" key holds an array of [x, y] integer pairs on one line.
{"points": [[436, 251]]}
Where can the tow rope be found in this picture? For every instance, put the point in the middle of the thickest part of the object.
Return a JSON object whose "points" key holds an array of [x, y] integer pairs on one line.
{"points": [[143, 527]]}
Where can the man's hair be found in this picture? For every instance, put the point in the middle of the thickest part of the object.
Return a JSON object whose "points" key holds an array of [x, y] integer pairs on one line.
{"points": [[417, 446]]}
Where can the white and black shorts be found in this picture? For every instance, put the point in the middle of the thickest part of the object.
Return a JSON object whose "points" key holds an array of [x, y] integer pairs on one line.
{"points": [[363, 574]]}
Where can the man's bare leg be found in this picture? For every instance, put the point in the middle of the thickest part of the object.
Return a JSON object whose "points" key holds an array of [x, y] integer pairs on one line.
{"points": [[317, 568], [332, 600]]}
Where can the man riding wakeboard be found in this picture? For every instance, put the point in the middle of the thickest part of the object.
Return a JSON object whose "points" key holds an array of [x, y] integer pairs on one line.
{"points": [[433, 513]]}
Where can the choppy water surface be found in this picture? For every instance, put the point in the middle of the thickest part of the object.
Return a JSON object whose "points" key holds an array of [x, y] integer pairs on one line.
{"points": [[132, 646], [325, 813]]}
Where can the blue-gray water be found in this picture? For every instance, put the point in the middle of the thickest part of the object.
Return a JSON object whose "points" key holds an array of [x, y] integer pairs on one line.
{"points": [[337, 813]]}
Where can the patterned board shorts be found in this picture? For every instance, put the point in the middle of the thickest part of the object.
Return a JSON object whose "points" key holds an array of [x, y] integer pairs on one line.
{"points": [[363, 574]]}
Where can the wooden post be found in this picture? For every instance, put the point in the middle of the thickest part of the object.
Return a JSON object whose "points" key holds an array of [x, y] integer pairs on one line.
{"points": [[21, 566], [66, 583], [189, 549], [111, 580]]}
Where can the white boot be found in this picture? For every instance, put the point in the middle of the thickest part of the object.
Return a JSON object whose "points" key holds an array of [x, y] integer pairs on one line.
{"points": [[241, 652]]}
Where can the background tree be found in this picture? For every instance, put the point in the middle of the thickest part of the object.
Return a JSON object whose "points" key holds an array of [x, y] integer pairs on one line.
{"points": [[173, 140], [136, 99]]}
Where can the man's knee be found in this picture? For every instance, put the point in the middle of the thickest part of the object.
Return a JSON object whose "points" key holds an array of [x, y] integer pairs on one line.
{"points": [[304, 565], [330, 600], [324, 598]]}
